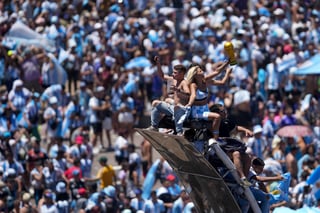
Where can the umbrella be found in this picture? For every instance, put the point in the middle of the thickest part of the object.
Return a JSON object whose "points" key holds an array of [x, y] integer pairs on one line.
{"points": [[138, 62], [294, 131]]}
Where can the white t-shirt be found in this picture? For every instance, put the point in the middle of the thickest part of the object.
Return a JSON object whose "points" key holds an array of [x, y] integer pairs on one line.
{"points": [[49, 209], [93, 102], [125, 117], [121, 144], [35, 183]]}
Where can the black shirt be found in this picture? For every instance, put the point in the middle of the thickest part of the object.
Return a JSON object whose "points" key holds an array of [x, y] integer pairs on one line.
{"points": [[226, 126]]}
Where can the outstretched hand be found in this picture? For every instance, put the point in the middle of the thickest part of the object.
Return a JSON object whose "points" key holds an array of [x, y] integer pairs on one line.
{"points": [[249, 133]]}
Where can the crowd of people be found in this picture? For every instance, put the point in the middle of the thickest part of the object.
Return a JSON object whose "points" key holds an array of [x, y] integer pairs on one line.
{"points": [[106, 50]]}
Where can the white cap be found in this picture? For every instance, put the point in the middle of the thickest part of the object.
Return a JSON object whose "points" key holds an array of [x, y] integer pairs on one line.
{"points": [[61, 187], [166, 10], [97, 26], [278, 11], [26, 197], [257, 129], [18, 83], [194, 12], [197, 59], [82, 84], [53, 100], [99, 89], [240, 97], [241, 31], [253, 13], [54, 19], [264, 27]]}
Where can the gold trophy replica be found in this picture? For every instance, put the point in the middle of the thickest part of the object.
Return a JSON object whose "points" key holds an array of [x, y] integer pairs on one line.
{"points": [[228, 48]]}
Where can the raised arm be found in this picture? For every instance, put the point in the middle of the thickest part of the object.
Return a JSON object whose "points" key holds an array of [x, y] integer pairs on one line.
{"points": [[222, 81], [217, 70], [246, 131], [159, 69]]}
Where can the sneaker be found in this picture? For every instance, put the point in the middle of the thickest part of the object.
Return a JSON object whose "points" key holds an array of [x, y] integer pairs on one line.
{"points": [[180, 134], [95, 150], [245, 182], [152, 128], [110, 149], [168, 131], [102, 149]]}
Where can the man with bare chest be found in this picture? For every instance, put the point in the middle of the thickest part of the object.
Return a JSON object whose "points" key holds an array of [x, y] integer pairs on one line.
{"points": [[174, 104]]}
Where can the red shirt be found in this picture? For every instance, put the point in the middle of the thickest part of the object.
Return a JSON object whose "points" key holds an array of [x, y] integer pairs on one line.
{"points": [[69, 172]]}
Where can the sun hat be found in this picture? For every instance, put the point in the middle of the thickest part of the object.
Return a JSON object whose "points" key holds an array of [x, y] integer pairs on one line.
{"points": [[257, 129]]}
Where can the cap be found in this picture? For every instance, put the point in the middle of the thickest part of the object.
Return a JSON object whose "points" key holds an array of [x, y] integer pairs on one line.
{"points": [[18, 83], [82, 191], [253, 13], [10, 52], [53, 100], [79, 139], [278, 12], [197, 33], [26, 197], [49, 195], [61, 187], [82, 84], [36, 94], [33, 139], [194, 12], [2, 184], [241, 31], [110, 191], [99, 89], [170, 177], [257, 129], [54, 19], [76, 172], [97, 26], [138, 191], [103, 159], [241, 96]]}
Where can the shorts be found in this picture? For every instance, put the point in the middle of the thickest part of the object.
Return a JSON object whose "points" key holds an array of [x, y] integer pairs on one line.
{"points": [[232, 145], [97, 127], [107, 123]]}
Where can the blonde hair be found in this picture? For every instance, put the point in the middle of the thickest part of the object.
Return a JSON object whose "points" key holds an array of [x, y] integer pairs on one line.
{"points": [[191, 73]]}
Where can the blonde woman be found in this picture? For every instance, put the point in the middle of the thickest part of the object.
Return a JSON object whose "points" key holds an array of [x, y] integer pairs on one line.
{"points": [[199, 84]]}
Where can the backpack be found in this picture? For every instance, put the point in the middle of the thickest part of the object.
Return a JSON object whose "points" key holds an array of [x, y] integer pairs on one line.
{"points": [[53, 123]]}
